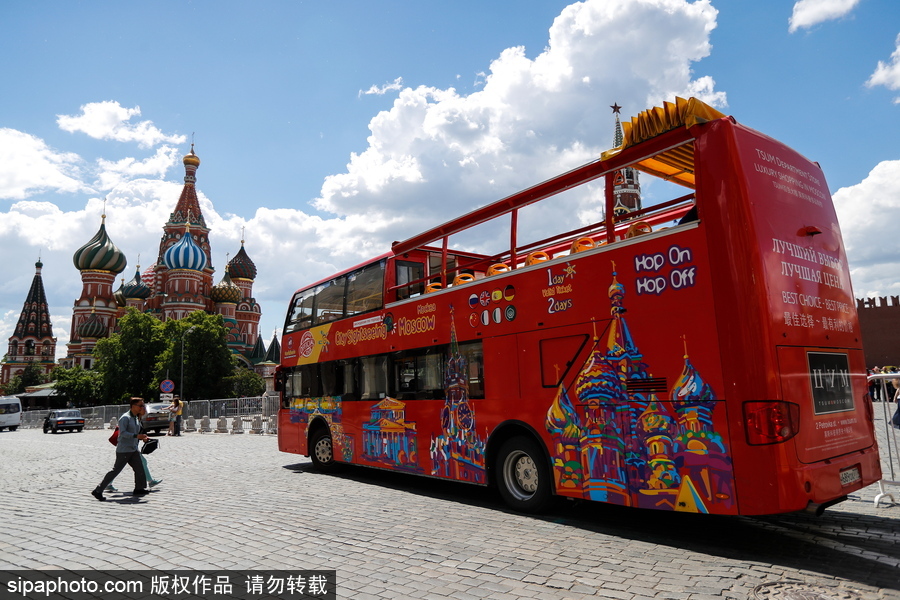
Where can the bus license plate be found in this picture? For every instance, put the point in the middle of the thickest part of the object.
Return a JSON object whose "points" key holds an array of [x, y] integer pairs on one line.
{"points": [[850, 475]]}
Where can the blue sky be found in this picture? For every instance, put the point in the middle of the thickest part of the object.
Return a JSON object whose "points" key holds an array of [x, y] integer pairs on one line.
{"points": [[329, 129]]}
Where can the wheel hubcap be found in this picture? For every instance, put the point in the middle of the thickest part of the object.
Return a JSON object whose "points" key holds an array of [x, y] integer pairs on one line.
{"points": [[323, 450], [521, 475]]}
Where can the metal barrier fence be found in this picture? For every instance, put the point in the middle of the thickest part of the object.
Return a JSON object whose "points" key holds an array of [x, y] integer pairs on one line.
{"points": [[885, 404], [257, 415]]}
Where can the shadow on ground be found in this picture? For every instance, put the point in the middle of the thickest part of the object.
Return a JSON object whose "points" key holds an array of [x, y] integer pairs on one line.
{"points": [[852, 546]]}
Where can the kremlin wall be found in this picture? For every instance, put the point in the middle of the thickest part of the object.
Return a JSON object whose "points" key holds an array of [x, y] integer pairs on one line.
{"points": [[879, 323]]}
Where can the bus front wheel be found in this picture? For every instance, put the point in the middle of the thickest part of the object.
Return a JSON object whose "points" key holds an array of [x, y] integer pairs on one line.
{"points": [[322, 454], [524, 480]]}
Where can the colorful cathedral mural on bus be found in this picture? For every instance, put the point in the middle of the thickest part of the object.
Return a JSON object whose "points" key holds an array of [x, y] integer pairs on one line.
{"points": [[457, 451], [615, 441]]}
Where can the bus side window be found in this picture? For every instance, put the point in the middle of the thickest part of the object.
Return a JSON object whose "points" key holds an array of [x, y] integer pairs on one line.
{"points": [[365, 289], [474, 355], [407, 271], [302, 311], [348, 382], [331, 374], [431, 383], [330, 300], [373, 377], [295, 383]]}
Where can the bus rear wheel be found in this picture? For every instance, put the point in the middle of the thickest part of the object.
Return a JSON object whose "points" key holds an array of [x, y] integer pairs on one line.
{"points": [[524, 481], [322, 451]]}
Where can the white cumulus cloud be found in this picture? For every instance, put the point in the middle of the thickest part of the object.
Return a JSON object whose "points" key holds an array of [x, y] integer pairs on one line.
{"points": [[109, 120], [808, 13], [888, 73], [375, 90], [113, 173], [869, 211], [438, 153], [28, 166]]}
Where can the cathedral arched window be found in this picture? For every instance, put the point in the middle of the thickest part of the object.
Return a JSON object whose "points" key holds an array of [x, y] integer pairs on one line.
{"points": [[29, 348], [14, 348]]}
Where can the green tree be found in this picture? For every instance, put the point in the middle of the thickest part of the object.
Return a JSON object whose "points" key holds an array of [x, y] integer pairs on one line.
{"points": [[32, 374], [78, 386], [245, 383], [128, 360], [198, 349]]}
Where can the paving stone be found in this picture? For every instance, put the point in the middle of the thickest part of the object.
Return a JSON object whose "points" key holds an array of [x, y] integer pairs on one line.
{"points": [[238, 507]]}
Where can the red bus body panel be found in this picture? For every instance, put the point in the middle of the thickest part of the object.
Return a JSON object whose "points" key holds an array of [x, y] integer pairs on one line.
{"points": [[632, 362]]}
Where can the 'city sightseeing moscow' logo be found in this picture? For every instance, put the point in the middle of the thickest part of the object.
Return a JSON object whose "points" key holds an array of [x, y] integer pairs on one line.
{"points": [[307, 343]]}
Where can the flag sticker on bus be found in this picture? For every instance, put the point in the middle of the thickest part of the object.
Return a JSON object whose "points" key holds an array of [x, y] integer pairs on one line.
{"points": [[829, 376]]}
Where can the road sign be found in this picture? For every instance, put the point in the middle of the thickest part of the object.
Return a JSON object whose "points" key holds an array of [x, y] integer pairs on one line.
{"points": [[166, 396], [167, 386]]}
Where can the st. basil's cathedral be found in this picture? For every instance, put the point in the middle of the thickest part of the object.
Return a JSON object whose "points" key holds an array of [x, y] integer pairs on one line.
{"points": [[179, 283]]}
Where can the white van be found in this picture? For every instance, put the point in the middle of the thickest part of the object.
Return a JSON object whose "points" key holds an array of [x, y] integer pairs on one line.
{"points": [[10, 412]]}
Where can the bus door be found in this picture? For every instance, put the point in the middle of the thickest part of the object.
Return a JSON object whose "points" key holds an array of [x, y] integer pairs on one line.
{"points": [[291, 421]]}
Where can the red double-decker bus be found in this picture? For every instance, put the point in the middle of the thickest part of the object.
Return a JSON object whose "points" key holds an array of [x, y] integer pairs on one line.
{"points": [[701, 354]]}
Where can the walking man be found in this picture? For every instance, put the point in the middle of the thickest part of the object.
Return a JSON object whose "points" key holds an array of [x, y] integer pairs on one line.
{"points": [[127, 451]]}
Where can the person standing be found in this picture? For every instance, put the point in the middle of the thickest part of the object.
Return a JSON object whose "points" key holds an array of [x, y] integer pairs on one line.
{"points": [[179, 406], [172, 409], [127, 452]]}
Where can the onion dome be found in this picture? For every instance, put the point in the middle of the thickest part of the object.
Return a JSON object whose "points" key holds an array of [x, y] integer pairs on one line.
{"points": [[600, 381], [241, 266], [226, 290], [119, 296], [191, 159], [616, 293], [92, 327], [185, 254], [149, 276], [690, 389], [136, 288], [100, 254], [562, 418]]}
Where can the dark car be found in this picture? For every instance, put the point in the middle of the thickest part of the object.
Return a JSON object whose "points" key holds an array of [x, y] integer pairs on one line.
{"points": [[69, 419], [157, 417]]}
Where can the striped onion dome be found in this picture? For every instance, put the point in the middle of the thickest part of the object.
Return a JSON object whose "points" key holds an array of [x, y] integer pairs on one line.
{"points": [[241, 266], [149, 275], [119, 297], [92, 327], [226, 290], [136, 288], [100, 254], [185, 254]]}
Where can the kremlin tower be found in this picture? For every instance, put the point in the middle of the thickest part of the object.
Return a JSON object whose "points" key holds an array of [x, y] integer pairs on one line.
{"points": [[33, 341], [626, 184], [179, 283]]}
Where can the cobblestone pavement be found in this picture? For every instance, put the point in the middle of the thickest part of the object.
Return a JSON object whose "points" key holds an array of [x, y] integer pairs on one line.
{"points": [[235, 502]]}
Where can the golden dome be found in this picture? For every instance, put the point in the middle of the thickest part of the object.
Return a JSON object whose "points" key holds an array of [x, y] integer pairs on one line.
{"points": [[191, 159]]}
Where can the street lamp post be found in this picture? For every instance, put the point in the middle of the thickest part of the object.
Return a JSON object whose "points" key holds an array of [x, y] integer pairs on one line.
{"points": [[181, 383]]}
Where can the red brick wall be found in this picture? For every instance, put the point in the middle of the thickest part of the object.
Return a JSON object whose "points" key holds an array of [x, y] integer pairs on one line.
{"points": [[879, 320]]}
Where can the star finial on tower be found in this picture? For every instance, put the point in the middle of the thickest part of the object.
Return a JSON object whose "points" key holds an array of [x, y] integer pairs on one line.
{"points": [[616, 108]]}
